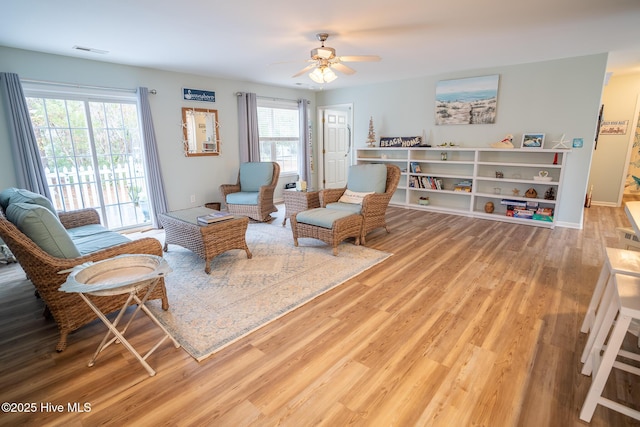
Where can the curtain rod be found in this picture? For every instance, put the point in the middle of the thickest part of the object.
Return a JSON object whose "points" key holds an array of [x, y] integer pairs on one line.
{"points": [[272, 98], [151, 91]]}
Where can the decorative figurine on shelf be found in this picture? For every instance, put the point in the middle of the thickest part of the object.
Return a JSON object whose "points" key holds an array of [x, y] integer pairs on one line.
{"points": [[443, 155], [531, 193], [507, 142], [550, 194], [560, 143], [489, 207], [515, 192], [499, 174], [371, 138]]}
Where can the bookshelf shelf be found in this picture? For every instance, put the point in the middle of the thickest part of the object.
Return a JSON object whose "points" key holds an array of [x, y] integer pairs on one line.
{"points": [[489, 175]]}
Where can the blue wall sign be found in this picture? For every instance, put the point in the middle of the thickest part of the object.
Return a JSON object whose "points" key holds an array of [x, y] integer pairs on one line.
{"points": [[198, 95]]}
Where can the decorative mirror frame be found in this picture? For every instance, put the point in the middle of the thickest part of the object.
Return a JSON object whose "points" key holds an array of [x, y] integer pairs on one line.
{"points": [[210, 147]]}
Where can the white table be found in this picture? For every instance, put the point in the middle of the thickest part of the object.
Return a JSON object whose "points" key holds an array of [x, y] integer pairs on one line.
{"points": [[124, 274]]}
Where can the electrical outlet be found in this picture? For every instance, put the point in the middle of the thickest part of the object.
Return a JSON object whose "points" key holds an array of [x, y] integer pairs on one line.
{"points": [[193, 198]]}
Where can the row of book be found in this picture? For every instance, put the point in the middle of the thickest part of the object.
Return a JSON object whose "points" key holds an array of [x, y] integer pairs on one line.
{"points": [[425, 182], [527, 210]]}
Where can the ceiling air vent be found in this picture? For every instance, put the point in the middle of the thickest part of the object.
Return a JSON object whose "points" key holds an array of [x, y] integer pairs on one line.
{"points": [[90, 49]]}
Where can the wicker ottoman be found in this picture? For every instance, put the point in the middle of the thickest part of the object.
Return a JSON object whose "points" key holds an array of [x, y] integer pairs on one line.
{"points": [[329, 225]]}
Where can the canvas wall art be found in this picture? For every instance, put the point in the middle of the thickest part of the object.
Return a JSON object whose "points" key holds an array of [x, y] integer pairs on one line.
{"points": [[467, 101]]}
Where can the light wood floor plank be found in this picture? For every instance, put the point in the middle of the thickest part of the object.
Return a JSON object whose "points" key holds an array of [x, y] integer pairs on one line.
{"points": [[469, 322]]}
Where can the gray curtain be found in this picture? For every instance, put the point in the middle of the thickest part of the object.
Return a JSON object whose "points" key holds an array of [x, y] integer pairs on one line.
{"points": [[248, 127], [26, 156], [157, 199], [305, 137]]}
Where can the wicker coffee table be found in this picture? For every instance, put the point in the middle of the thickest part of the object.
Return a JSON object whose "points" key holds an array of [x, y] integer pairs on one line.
{"points": [[208, 241]]}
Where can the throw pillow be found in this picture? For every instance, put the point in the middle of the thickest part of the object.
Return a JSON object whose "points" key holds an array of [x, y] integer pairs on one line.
{"points": [[26, 196], [43, 228], [5, 196], [353, 197]]}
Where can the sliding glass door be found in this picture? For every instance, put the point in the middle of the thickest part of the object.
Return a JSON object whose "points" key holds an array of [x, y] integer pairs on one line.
{"points": [[91, 150]]}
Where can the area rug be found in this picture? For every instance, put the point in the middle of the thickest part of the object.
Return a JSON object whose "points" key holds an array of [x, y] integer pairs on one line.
{"points": [[209, 312]]}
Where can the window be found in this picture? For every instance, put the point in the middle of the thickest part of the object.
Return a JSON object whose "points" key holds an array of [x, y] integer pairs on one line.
{"points": [[91, 151], [279, 133]]}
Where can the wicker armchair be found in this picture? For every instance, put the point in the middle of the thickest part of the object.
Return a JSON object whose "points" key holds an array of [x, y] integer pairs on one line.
{"points": [[256, 200], [374, 206], [68, 309]]}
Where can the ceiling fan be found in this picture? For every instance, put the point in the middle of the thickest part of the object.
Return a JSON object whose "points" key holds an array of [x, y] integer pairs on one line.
{"points": [[324, 60]]}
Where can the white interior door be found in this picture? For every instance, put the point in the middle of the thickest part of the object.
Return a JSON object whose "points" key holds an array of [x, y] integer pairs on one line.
{"points": [[336, 147]]}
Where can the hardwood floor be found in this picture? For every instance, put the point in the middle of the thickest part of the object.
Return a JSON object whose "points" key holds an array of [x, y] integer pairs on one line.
{"points": [[470, 322]]}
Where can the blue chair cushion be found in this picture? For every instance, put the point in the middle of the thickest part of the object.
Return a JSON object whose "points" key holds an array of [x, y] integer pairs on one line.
{"points": [[354, 208], [321, 217], [254, 175], [243, 198], [94, 237], [16, 195], [43, 228], [367, 178], [5, 196]]}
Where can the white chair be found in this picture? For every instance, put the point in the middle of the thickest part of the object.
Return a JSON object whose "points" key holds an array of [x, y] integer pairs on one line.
{"points": [[617, 261], [628, 238], [621, 299]]}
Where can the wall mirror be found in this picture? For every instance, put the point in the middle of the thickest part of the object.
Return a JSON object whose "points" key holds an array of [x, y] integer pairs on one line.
{"points": [[200, 132]]}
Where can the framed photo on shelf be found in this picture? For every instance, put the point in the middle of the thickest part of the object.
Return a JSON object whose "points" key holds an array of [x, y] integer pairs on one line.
{"points": [[532, 140]]}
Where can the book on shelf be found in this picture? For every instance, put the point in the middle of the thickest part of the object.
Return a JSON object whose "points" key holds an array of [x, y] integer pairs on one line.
{"points": [[543, 214], [214, 217], [464, 185], [519, 203], [523, 213], [545, 211]]}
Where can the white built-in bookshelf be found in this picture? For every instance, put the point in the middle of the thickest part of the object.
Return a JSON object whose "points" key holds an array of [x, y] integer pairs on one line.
{"points": [[466, 179]]}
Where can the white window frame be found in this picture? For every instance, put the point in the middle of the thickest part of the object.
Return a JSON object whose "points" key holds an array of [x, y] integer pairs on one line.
{"points": [[285, 105], [86, 95]]}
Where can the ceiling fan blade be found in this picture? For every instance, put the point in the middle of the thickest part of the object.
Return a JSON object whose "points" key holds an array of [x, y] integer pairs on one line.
{"points": [[290, 62], [343, 68], [304, 70], [359, 58]]}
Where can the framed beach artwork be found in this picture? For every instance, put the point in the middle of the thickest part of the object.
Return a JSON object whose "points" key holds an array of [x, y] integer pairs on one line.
{"points": [[468, 101], [532, 140]]}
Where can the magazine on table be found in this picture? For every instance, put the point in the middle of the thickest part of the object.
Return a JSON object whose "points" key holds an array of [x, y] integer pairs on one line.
{"points": [[214, 217]]}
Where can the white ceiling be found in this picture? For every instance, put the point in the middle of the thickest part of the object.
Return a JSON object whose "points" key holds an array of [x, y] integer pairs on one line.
{"points": [[269, 41]]}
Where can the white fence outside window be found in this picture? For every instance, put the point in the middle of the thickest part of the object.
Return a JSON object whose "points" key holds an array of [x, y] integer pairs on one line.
{"points": [[75, 188]]}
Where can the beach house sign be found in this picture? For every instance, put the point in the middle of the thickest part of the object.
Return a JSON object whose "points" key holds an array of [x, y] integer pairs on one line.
{"points": [[400, 141], [198, 95]]}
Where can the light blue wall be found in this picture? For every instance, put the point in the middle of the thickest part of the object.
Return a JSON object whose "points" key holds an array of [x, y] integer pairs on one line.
{"points": [[553, 97], [183, 177]]}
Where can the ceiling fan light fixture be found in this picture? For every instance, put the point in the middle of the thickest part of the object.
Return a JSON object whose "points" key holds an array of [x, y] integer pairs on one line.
{"points": [[323, 53], [323, 75]]}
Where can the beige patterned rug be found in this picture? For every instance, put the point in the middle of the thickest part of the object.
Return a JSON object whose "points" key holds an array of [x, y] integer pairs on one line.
{"points": [[208, 312]]}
